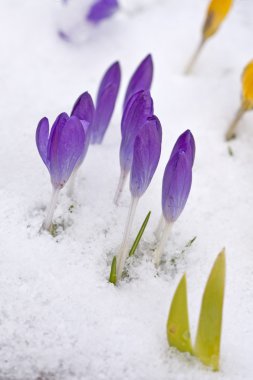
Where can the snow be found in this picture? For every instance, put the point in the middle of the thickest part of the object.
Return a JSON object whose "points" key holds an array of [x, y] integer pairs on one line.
{"points": [[59, 316]]}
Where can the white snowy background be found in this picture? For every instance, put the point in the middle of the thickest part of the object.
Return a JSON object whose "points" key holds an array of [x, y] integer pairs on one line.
{"points": [[59, 316]]}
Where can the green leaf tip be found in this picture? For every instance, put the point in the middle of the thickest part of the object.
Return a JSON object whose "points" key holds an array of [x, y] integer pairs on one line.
{"points": [[207, 345], [113, 274], [139, 236], [178, 330]]}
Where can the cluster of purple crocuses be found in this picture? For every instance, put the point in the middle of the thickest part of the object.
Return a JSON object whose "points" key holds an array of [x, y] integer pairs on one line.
{"points": [[64, 149]]}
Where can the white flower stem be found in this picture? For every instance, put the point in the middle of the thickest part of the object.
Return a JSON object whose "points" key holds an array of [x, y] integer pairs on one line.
{"points": [[164, 238], [232, 128], [72, 181], [160, 227], [122, 180], [124, 248], [50, 210], [194, 58]]}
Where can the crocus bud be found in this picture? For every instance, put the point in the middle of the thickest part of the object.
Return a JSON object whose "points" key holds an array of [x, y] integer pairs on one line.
{"points": [[147, 151], [136, 112], [177, 181], [102, 9], [138, 109], [141, 79], [186, 143], [60, 151], [63, 148], [176, 187], [106, 99]]}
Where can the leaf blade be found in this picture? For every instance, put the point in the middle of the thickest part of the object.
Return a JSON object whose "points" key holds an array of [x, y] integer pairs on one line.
{"points": [[207, 344], [178, 329], [139, 235], [113, 273]]}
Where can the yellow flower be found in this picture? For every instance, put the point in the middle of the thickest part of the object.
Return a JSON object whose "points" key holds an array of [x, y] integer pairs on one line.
{"points": [[216, 13], [247, 87]]}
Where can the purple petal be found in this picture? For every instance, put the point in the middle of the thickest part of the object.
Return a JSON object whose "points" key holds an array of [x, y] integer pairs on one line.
{"points": [[138, 109], [186, 143], [177, 181], [141, 79], [146, 155], [42, 139], [106, 99], [66, 148], [101, 10], [84, 108]]}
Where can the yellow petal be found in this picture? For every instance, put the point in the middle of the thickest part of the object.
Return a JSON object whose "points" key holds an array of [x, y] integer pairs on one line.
{"points": [[247, 86], [178, 331], [207, 346], [216, 13]]}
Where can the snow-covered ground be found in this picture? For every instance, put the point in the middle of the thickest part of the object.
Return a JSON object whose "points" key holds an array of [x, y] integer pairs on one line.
{"points": [[59, 316]]}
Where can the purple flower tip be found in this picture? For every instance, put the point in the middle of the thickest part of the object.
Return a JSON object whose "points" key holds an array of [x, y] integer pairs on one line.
{"points": [[61, 150], [106, 100], [177, 181], [146, 155], [186, 143], [135, 115], [141, 79], [101, 10]]}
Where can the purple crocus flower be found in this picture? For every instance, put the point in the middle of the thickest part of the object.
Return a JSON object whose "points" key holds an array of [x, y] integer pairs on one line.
{"points": [[176, 187], [101, 10], [60, 151], [137, 111], [141, 79], [147, 151], [106, 99]]}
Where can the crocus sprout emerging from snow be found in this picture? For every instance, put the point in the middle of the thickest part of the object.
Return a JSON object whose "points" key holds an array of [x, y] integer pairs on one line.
{"points": [[135, 114], [141, 79], [146, 155], [106, 99], [60, 151], [102, 9], [176, 186]]}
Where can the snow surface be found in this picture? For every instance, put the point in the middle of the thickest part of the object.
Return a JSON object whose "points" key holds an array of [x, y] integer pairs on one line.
{"points": [[59, 316]]}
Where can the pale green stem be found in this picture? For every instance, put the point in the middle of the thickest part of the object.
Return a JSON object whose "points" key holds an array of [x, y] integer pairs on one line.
{"points": [[194, 58], [232, 128], [124, 248], [50, 210], [160, 226], [161, 245], [71, 185], [122, 180]]}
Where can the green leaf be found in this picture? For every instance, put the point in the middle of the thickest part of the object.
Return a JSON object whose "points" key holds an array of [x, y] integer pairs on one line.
{"points": [[178, 330], [113, 275], [139, 236], [207, 345]]}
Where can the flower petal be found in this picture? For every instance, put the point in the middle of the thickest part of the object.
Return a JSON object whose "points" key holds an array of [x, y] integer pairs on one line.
{"points": [[141, 79], [67, 145], [177, 181], [106, 99], [146, 155], [186, 143], [42, 139], [138, 109]]}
